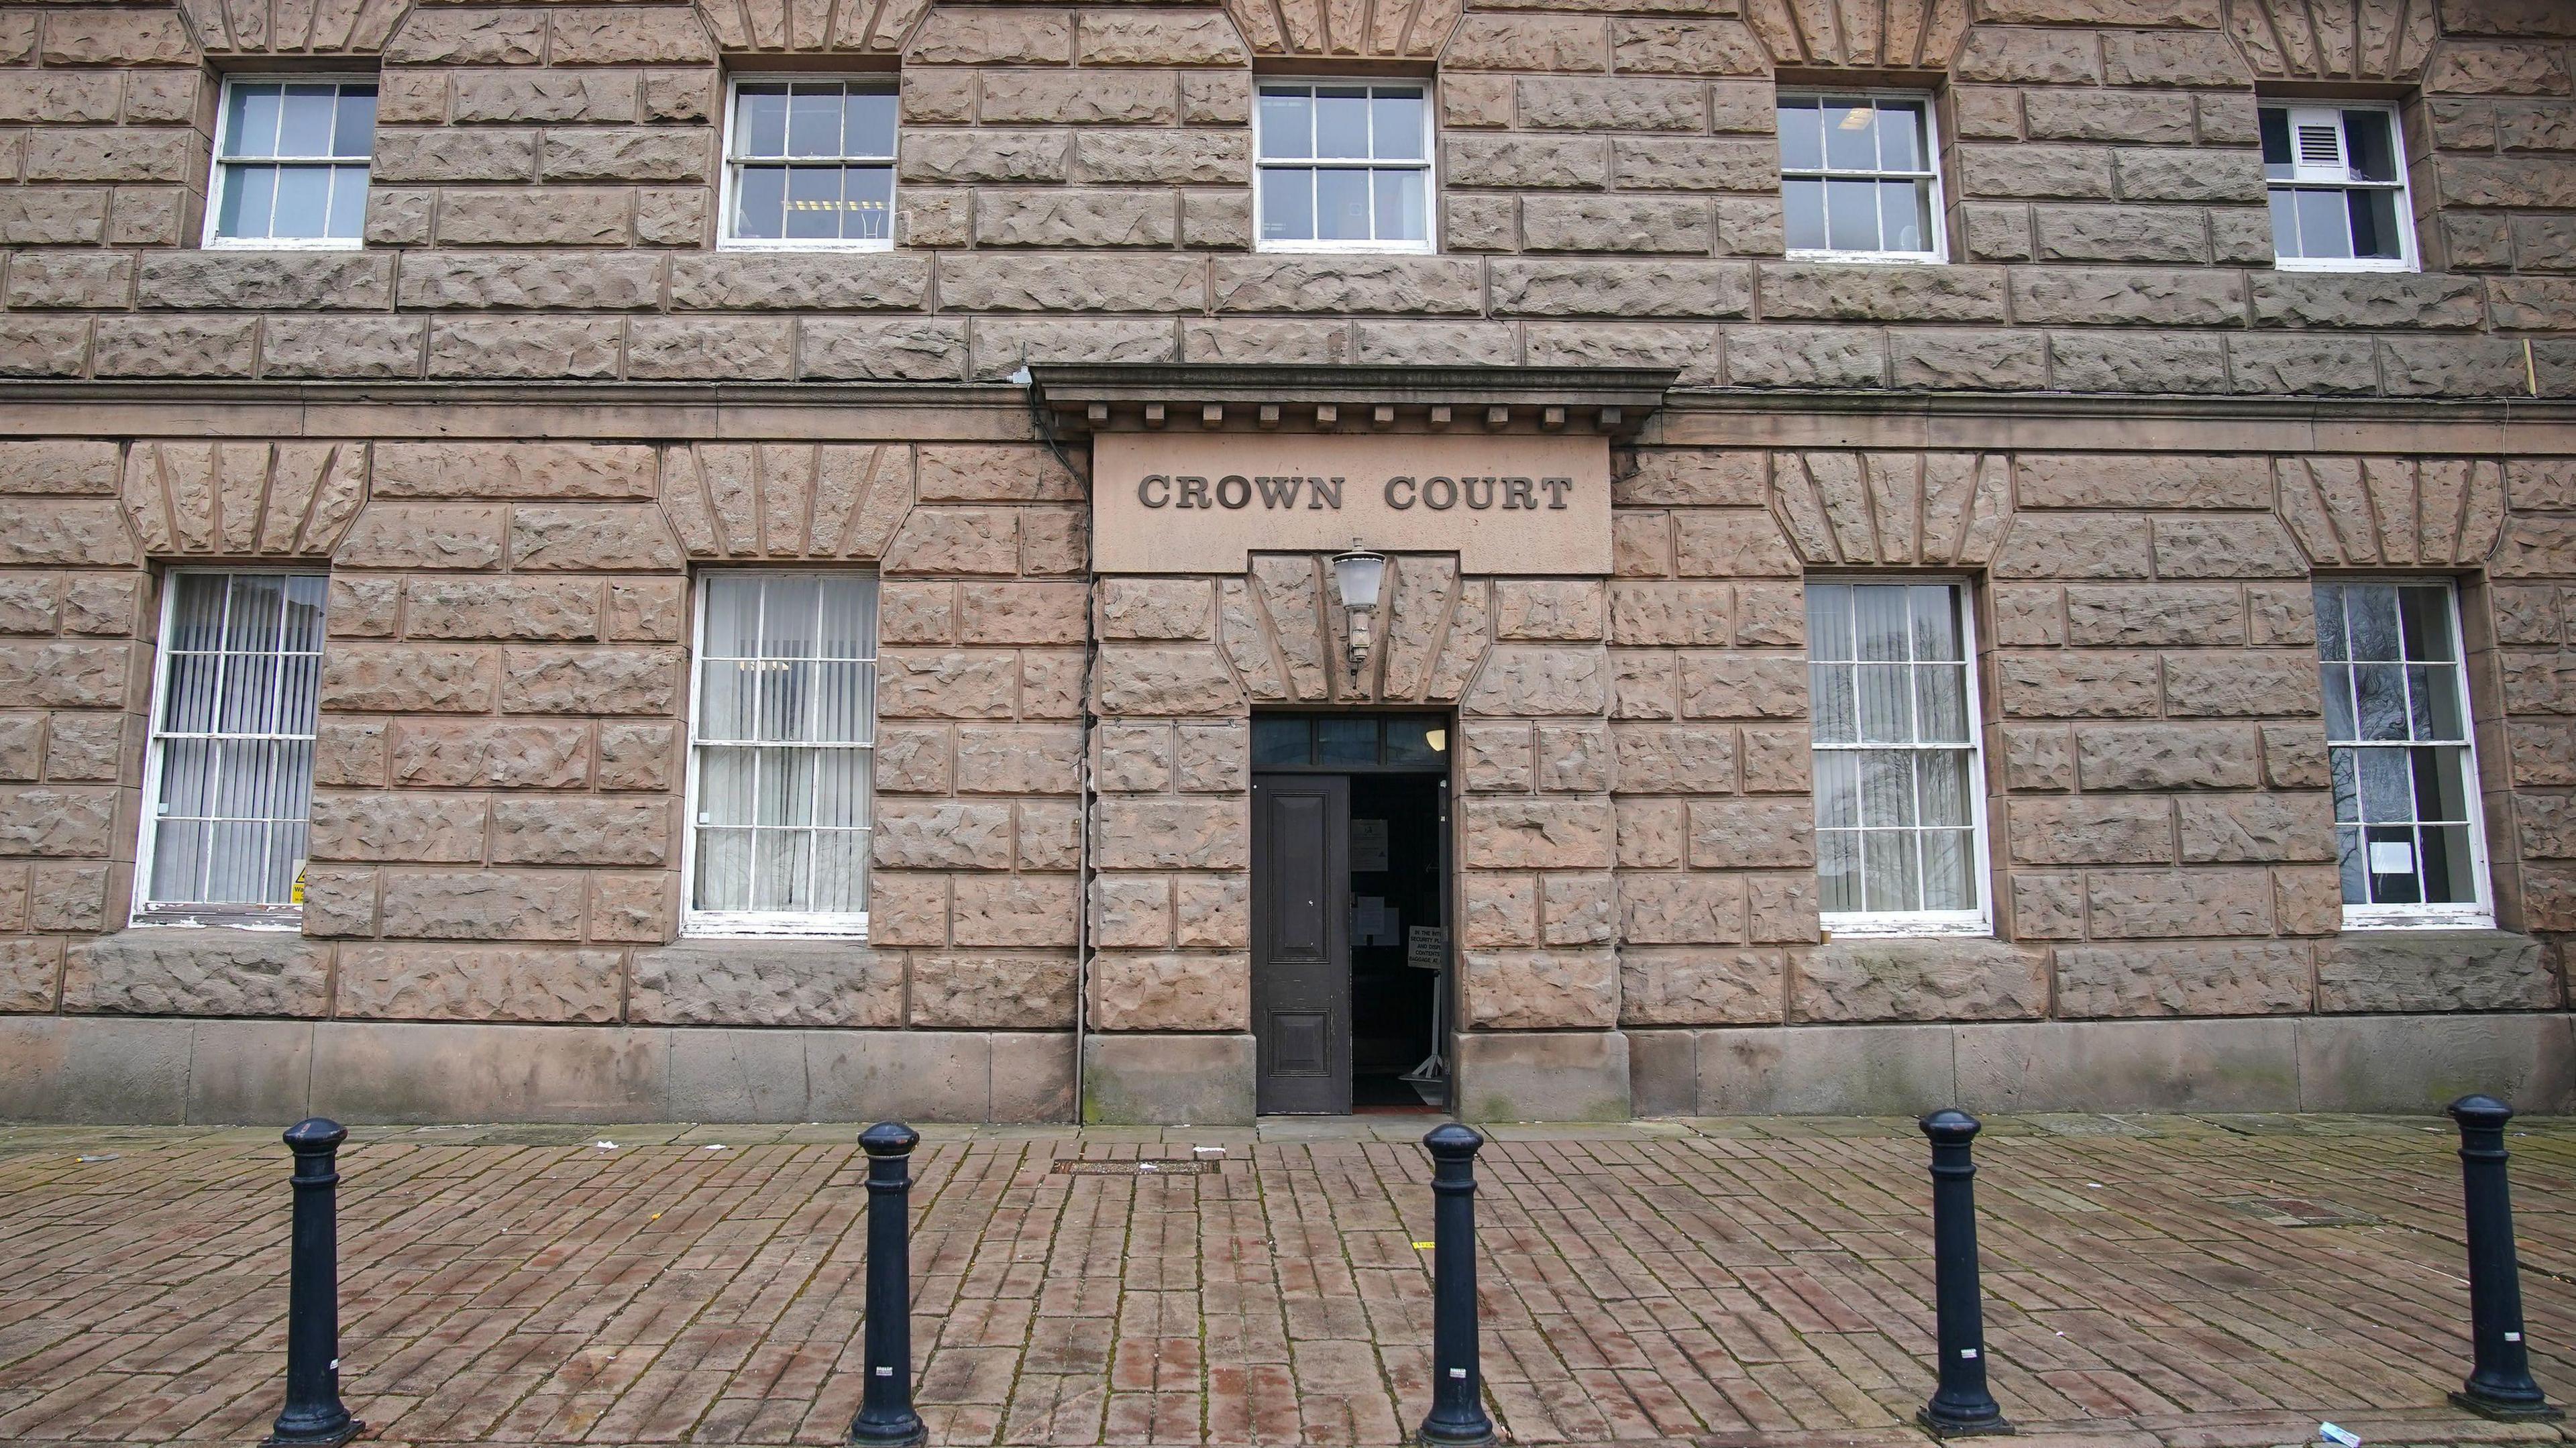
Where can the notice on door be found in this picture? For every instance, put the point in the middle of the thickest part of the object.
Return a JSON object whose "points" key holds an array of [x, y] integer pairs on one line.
{"points": [[1181, 502]]}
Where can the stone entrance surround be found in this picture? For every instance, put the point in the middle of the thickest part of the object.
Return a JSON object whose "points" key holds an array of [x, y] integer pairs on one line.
{"points": [[492, 903]]}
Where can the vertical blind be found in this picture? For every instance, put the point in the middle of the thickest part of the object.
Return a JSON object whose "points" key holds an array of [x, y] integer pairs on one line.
{"points": [[233, 738], [1896, 749], [785, 729]]}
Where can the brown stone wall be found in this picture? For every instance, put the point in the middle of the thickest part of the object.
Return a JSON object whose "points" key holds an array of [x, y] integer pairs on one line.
{"points": [[1074, 185]]}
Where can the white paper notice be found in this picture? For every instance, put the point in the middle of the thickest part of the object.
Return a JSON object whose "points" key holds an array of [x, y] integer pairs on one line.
{"points": [[1426, 947], [1368, 844], [2392, 857], [1372, 923]]}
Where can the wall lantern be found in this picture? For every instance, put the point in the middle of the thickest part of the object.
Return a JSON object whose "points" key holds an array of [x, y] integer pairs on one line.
{"points": [[1359, 576]]}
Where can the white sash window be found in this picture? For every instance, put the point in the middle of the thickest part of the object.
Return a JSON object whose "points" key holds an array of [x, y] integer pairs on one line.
{"points": [[2408, 833]]}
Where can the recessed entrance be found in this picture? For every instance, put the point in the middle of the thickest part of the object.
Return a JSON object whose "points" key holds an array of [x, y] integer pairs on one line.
{"points": [[1351, 940]]}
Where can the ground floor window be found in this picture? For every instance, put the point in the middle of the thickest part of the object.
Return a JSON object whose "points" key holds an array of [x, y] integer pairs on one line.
{"points": [[1900, 802], [781, 750], [228, 787], [2407, 830]]}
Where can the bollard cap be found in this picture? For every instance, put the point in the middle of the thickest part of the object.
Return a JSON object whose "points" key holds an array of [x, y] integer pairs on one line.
{"points": [[2479, 1110], [889, 1138], [1453, 1141], [316, 1133], [1950, 1126]]}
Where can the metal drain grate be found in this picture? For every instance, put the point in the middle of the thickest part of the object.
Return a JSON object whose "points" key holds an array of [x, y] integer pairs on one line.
{"points": [[1139, 1166], [2297, 1212]]}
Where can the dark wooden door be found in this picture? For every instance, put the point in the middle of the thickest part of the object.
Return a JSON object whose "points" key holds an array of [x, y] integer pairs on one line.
{"points": [[1301, 962]]}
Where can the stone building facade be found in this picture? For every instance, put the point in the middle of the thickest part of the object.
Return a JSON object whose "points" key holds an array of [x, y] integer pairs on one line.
{"points": [[541, 399]]}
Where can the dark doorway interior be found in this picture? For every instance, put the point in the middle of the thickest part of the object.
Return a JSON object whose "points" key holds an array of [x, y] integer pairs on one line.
{"points": [[1391, 1000]]}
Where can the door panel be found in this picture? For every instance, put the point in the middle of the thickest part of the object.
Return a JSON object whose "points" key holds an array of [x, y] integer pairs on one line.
{"points": [[1301, 971]]}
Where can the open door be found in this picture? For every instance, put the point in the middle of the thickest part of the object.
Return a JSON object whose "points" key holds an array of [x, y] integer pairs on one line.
{"points": [[1301, 961]]}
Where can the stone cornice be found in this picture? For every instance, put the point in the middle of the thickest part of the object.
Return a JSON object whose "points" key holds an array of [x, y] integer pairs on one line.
{"points": [[1127, 397]]}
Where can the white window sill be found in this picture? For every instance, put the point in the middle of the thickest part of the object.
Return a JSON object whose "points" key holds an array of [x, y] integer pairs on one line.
{"points": [[709, 928], [1906, 927], [2340, 264], [1881, 258], [2412, 917], [169, 917], [732, 243], [1345, 248], [285, 243]]}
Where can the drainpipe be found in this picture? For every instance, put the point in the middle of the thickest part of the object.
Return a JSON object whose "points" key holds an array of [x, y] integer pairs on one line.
{"points": [[1085, 799]]}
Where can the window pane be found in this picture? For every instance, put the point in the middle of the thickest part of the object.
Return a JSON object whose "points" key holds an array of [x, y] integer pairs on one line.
{"points": [[1341, 206], [760, 123], [1900, 136], [251, 127], [867, 123], [724, 870], [1886, 703], [2285, 222], [1802, 144], [2449, 869], [2441, 784], [1851, 215], [1409, 741], [348, 216], [1395, 125], [353, 133], [1401, 215], [2390, 858], [1837, 789], [814, 121], [1886, 788], [2373, 215], [1288, 204], [1803, 212], [304, 127], [1346, 741], [1941, 702], [1829, 621], [1287, 125], [2275, 125], [2323, 230], [2387, 785], [1341, 122], [1889, 877], [1830, 690], [2336, 683], [2368, 147], [1904, 211], [2424, 622], [1949, 879], [2331, 643], [1880, 621], [813, 202], [760, 203], [848, 613], [2379, 692], [1851, 136], [2370, 613], [1944, 776], [303, 201], [1936, 621], [1278, 739], [250, 195], [1838, 870]]}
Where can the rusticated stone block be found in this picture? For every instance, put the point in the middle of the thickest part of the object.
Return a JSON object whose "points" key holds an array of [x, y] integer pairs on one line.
{"points": [[1508, 833], [1700, 987], [466, 983], [1993, 360], [2159, 480], [1529, 679], [1681, 909], [553, 216], [903, 350], [914, 684], [2396, 301], [524, 348], [1018, 759], [1154, 608], [1573, 759], [398, 826], [1576, 909], [1168, 834], [2150, 904], [63, 466], [590, 681], [500, 608], [1806, 357], [767, 983], [1527, 990], [29, 972], [2087, 831], [1134, 680], [953, 541], [1356, 284], [197, 973], [2191, 980], [1670, 613], [2238, 685], [1674, 759], [1743, 686], [408, 679], [2077, 685], [993, 992], [2154, 615], [593, 539], [923, 836], [2227, 829], [174, 346], [2168, 756], [1919, 980], [1131, 912], [1213, 910], [1019, 911], [2434, 971], [65, 534], [1734, 834], [1188, 992], [489, 755], [1113, 157], [482, 905], [416, 536], [556, 472], [556, 830]]}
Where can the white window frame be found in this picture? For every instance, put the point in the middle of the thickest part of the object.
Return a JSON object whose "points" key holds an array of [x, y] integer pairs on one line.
{"points": [[1898, 924], [1429, 167], [2477, 914], [756, 924], [2408, 258], [144, 911], [729, 168], [220, 173], [1939, 222]]}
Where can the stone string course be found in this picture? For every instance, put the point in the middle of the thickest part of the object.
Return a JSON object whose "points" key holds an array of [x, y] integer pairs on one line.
{"points": [[1074, 185]]}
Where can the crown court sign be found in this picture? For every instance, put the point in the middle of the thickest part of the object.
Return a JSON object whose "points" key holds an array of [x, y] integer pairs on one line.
{"points": [[1204, 502]]}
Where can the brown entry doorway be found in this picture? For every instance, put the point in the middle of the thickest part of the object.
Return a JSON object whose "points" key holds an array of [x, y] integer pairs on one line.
{"points": [[1351, 938]]}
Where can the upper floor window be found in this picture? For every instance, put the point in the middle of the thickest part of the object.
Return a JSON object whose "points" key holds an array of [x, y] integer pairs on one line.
{"points": [[2337, 177], [780, 758], [1342, 166], [1900, 796], [810, 163], [2407, 827], [1859, 179], [291, 163], [228, 785]]}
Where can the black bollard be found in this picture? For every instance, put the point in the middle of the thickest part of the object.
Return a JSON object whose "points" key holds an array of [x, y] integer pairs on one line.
{"points": [[2500, 1386], [1457, 1384], [1961, 1407], [886, 1418], [314, 1413]]}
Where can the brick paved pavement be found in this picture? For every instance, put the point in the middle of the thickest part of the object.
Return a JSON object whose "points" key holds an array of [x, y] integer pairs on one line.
{"points": [[1726, 1281]]}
